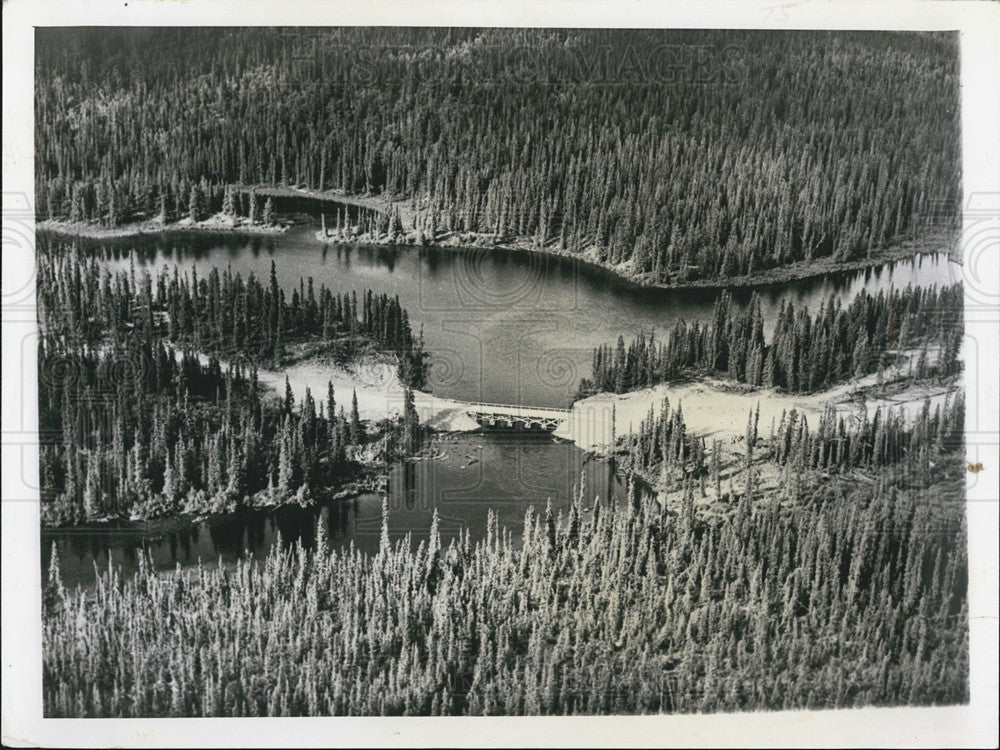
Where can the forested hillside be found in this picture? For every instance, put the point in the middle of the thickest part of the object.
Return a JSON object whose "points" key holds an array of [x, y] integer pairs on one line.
{"points": [[672, 155], [814, 595], [136, 431], [803, 352]]}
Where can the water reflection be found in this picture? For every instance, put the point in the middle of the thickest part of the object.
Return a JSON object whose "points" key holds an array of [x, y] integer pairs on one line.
{"points": [[509, 327], [515, 327], [478, 473]]}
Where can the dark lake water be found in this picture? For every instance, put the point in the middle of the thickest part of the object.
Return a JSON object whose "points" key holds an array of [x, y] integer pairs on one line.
{"points": [[502, 327], [505, 473]]}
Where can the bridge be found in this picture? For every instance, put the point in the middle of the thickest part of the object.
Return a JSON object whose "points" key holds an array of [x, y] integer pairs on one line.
{"points": [[510, 417]]}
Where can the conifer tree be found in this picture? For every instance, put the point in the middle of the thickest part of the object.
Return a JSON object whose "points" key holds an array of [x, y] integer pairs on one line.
{"points": [[357, 432], [196, 203], [411, 424], [229, 201], [252, 209]]}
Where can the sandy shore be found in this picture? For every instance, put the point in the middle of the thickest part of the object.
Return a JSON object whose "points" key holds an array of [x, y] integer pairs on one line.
{"points": [[380, 393], [217, 223], [717, 409], [712, 408]]}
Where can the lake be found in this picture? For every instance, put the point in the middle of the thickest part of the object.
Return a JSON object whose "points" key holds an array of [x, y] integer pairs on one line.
{"points": [[502, 327]]}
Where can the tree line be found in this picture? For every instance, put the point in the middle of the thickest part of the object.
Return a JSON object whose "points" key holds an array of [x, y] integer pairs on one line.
{"points": [[675, 155], [806, 352], [220, 314], [830, 600], [140, 422]]}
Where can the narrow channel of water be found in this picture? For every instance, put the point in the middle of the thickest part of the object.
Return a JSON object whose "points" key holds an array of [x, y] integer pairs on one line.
{"points": [[478, 473]]}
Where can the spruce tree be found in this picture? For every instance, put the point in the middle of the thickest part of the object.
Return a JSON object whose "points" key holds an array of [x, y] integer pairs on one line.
{"points": [[196, 203], [229, 201], [357, 432], [411, 424], [252, 209]]}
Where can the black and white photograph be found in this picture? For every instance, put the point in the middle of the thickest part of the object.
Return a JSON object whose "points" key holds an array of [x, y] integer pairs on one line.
{"points": [[394, 369]]}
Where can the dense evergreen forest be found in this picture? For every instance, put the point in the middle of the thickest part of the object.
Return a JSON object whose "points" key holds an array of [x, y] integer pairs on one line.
{"points": [[852, 595], [671, 155], [141, 423], [805, 353], [799, 565]]}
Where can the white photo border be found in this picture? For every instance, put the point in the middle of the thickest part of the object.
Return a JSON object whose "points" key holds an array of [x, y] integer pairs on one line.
{"points": [[978, 23]]}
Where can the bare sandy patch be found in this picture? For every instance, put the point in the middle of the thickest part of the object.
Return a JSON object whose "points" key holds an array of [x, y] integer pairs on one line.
{"points": [[716, 409], [379, 391]]}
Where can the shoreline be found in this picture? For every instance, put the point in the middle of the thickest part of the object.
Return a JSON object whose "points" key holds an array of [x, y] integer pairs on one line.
{"points": [[800, 271], [937, 241], [213, 225], [589, 426], [380, 396], [374, 379], [183, 520], [718, 408]]}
